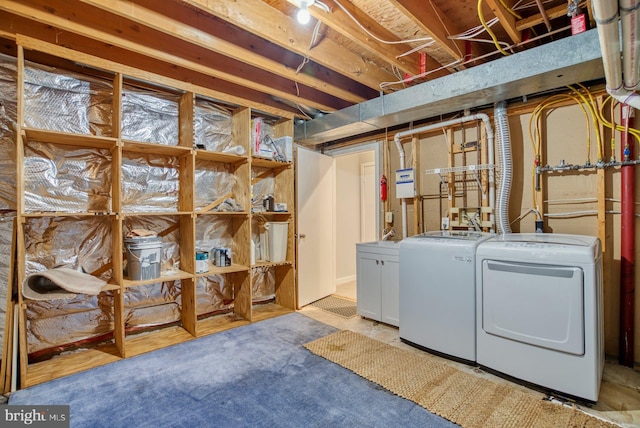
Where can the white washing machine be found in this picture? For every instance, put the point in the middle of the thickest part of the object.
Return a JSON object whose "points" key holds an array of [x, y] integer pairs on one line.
{"points": [[539, 309], [438, 292]]}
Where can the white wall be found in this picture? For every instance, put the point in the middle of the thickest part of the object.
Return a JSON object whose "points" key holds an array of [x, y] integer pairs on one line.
{"points": [[348, 212]]}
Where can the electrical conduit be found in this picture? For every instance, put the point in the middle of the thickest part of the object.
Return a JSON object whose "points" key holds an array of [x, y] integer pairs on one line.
{"points": [[458, 121]]}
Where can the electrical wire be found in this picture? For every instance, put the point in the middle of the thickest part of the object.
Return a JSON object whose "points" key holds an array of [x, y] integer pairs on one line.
{"points": [[370, 34], [488, 29]]}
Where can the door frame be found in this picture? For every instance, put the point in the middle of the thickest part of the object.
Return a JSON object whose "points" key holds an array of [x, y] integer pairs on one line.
{"points": [[376, 146]]}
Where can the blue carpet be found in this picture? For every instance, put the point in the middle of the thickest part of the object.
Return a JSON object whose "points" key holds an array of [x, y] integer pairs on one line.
{"points": [[257, 375]]}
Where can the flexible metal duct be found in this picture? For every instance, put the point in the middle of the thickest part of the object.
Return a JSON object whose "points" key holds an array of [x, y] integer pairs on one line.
{"points": [[504, 153]]}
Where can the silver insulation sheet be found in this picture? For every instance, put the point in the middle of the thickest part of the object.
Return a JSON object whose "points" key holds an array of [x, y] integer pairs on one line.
{"points": [[155, 304], [264, 284], [8, 121], [81, 243], [213, 129], [150, 183], [214, 180], [213, 232], [214, 293], [6, 234], [261, 189], [63, 101], [170, 241], [152, 305], [66, 178], [149, 117]]}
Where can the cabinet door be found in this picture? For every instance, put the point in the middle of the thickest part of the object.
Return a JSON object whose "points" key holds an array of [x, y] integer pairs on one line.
{"points": [[368, 286], [390, 291]]}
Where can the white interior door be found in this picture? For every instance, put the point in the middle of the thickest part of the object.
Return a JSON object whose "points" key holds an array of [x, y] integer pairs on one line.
{"points": [[315, 175]]}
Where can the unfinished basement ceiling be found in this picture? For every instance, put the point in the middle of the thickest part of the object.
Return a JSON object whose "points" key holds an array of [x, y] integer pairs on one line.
{"points": [[254, 52]]}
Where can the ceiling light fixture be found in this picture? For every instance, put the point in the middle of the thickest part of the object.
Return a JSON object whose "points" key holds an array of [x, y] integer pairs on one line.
{"points": [[303, 14]]}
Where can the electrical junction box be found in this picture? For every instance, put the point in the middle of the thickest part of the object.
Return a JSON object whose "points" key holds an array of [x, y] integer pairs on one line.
{"points": [[405, 183]]}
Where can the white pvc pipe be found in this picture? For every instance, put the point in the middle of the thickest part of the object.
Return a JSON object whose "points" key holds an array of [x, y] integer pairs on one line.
{"points": [[605, 13], [458, 121]]}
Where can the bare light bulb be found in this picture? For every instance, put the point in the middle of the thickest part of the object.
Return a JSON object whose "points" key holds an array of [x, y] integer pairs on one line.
{"points": [[303, 14]]}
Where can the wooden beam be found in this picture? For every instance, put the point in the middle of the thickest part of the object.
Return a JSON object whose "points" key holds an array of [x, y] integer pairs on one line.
{"points": [[265, 21], [340, 22], [179, 29], [507, 20], [434, 22], [39, 12], [532, 21]]}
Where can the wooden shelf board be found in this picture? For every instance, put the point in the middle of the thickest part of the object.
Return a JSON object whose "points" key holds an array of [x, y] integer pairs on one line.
{"points": [[223, 213], [270, 264], [265, 311], [69, 139], [221, 270], [221, 157], [39, 214], [268, 163], [152, 213], [154, 148], [64, 365], [142, 343], [180, 274], [272, 213], [218, 323]]}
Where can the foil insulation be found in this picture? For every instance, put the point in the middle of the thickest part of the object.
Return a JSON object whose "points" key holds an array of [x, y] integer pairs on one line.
{"points": [[149, 117], [66, 178], [214, 293], [261, 189], [150, 183], [152, 305], [264, 284], [81, 243], [214, 180], [63, 101], [6, 235], [155, 304], [213, 129], [8, 121], [215, 232], [170, 241]]}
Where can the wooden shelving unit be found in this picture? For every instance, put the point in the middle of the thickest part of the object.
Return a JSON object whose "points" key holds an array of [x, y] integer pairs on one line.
{"points": [[179, 223]]}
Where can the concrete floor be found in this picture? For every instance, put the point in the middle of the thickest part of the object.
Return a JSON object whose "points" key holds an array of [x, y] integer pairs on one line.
{"points": [[619, 400]]}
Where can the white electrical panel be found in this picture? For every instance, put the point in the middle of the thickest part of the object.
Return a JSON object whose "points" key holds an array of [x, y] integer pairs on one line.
{"points": [[405, 183]]}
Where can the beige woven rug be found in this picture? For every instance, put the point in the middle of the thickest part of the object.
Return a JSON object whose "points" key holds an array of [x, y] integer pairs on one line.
{"points": [[337, 305], [465, 399]]}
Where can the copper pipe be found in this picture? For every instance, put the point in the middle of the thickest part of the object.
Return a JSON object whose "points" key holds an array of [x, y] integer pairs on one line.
{"points": [[543, 13]]}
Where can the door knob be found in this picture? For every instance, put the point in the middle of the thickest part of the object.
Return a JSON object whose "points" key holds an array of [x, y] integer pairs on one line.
{"points": [[302, 236]]}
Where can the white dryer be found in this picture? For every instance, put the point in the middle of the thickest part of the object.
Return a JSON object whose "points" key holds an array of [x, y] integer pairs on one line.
{"points": [[539, 309], [438, 292]]}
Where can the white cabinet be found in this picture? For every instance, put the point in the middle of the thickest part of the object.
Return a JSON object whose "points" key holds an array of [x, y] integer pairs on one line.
{"points": [[378, 281]]}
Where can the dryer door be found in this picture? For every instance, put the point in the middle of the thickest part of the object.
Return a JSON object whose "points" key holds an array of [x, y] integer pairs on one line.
{"points": [[540, 305]]}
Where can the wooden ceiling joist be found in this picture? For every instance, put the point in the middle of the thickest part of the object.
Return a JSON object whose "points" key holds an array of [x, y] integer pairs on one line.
{"points": [[271, 24], [507, 20], [63, 19]]}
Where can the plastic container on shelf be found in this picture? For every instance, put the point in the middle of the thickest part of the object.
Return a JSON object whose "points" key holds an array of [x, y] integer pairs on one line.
{"points": [[144, 254], [277, 236]]}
